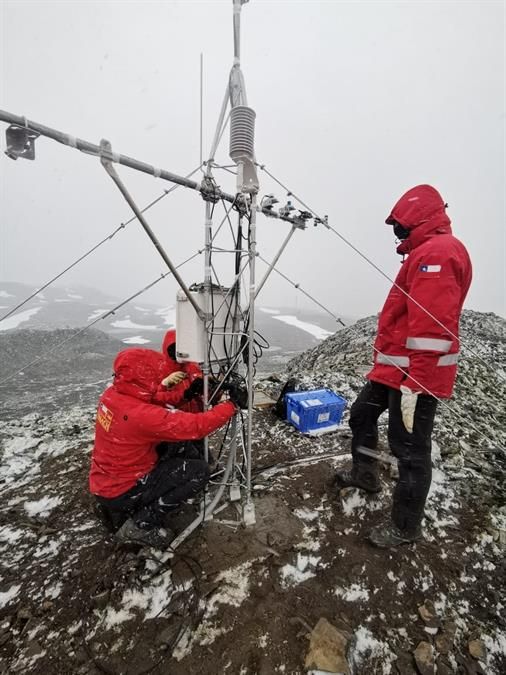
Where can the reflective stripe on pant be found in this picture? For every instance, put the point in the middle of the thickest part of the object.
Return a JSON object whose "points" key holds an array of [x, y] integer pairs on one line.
{"points": [[171, 482], [411, 450]]}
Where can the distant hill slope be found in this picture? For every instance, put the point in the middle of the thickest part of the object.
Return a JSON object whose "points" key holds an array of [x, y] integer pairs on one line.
{"points": [[73, 373]]}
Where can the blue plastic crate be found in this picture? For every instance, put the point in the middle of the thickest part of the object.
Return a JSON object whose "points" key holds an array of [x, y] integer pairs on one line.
{"points": [[310, 411]]}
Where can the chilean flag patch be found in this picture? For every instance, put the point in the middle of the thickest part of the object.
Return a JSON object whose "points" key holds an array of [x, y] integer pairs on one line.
{"points": [[430, 268]]}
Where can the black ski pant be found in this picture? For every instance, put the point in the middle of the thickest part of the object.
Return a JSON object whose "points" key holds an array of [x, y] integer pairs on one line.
{"points": [[412, 450], [179, 474]]}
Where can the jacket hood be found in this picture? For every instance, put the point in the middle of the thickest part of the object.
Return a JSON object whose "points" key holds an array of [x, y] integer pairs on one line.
{"points": [[169, 339], [422, 211], [138, 372]]}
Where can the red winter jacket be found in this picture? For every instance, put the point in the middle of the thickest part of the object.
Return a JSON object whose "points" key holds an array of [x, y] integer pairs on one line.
{"points": [[129, 426], [436, 275], [175, 395]]}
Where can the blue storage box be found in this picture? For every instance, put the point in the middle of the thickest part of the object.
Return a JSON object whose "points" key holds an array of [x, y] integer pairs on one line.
{"points": [[312, 411]]}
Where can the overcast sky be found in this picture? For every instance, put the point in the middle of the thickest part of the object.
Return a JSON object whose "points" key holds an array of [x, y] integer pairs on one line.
{"points": [[356, 102]]}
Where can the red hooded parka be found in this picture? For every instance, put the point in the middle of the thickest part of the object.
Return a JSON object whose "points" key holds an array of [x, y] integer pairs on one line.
{"points": [[436, 276], [129, 426], [175, 395]]}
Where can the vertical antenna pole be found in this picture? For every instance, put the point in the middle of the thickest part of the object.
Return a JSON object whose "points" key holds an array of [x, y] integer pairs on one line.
{"points": [[201, 102], [207, 308], [249, 508]]}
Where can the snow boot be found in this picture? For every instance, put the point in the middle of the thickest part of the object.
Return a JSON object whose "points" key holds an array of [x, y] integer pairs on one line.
{"points": [[363, 476], [388, 535], [130, 533]]}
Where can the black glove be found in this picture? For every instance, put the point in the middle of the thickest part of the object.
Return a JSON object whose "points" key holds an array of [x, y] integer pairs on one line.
{"points": [[238, 395], [195, 389]]}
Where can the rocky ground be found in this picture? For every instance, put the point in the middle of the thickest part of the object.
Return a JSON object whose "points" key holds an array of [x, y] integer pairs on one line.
{"points": [[302, 589]]}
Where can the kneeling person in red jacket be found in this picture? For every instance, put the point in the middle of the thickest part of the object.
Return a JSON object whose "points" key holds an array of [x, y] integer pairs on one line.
{"points": [[135, 486], [415, 361]]}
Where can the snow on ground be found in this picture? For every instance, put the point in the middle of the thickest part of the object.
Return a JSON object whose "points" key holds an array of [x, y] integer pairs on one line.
{"points": [[168, 315], [311, 328], [96, 314], [135, 340], [4, 294], [367, 647], [128, 323], [7, 596], [304, 568], [16, 319], [268, 310], [42, 507]]}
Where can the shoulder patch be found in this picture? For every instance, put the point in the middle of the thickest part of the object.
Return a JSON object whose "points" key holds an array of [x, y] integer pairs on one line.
{"points": [[104, 416], [430, 268]]}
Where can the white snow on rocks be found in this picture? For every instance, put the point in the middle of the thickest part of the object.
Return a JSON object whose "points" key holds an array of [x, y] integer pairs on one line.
{"points": [[366, 647], [42, 507], [354, 593], [7, 596], [303, 569]]}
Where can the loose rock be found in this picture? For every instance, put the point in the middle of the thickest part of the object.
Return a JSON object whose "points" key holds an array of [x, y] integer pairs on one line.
{"points": [[424, 658], [327, 649]]}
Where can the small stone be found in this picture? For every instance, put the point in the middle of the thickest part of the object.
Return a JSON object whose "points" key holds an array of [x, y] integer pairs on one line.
{"points": [[424, 658], [33, 648], [477, 650], [100, 600], [428, 614], [166, 635], [47, 606], [24, 614], [327, 649], [444, 641]]}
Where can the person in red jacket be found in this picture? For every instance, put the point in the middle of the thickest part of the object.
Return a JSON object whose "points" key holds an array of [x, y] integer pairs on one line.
{"points": [[133, 485], [415, 359], [183, 384]]}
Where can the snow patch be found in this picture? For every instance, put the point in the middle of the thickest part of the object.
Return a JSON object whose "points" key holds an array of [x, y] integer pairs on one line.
{"points": [[7, 596], [96, 314], [42, 507], [367, 647], [136, 340], [300, 572], [168, 315], [128, 323], [311, 328], [355, 593], [16, 319]]}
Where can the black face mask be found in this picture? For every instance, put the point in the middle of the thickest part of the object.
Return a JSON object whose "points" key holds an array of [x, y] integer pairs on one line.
{"points": [[401, 232], [171, 351]]}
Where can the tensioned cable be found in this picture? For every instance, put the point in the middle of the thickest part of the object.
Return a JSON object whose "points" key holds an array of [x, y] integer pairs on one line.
{"points": [[94, 248], [384, 274], [103, 316], [299, 287]]}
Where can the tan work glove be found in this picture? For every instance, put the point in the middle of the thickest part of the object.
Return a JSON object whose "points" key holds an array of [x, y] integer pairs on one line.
{"points": [[408, 407], [173, 379]]}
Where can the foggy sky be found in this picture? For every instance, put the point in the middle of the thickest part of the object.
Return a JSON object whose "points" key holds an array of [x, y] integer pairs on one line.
{"points": [[356, 102]]}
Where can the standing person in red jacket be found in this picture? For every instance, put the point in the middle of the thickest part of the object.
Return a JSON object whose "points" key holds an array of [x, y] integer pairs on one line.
{"points": [[133, 485], [415, 360]]}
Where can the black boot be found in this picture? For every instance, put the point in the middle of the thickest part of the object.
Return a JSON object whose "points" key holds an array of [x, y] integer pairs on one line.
{"points": [[388, 535], [363, 476]]}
